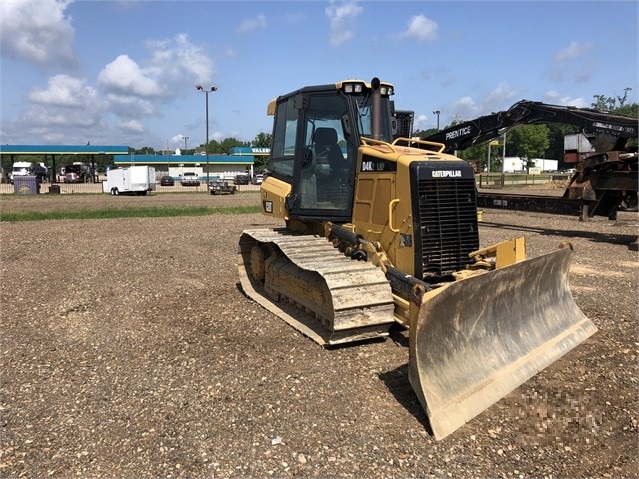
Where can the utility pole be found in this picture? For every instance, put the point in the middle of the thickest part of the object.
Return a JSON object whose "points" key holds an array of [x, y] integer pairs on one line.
{"points": [[206, 92]]}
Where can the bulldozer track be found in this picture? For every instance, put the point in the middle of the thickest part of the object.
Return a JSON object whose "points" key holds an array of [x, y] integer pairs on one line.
{"points": [[315, 288]]}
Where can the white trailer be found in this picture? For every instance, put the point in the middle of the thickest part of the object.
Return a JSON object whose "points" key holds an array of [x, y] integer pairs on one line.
{"points": [[545, 164], [514, 164], [134, 180]]}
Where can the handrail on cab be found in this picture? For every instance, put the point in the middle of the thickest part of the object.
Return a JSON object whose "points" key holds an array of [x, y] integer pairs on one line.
{"points": [[405, 142]]}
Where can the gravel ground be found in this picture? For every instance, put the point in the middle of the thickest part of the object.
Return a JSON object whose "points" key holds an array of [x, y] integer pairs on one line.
{"points": [[128, 350]]}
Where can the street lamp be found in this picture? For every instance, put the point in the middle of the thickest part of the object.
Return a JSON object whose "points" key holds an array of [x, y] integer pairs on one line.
{"points": [[185, 138], [206, 147], [437, 112]]}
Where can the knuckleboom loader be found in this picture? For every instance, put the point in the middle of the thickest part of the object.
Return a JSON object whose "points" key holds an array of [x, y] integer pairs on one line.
{"points": [[378, 232]]}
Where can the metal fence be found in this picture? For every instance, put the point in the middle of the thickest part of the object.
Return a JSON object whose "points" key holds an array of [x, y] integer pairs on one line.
{"points": [[506, 180], [483, 180], [85, 188]]}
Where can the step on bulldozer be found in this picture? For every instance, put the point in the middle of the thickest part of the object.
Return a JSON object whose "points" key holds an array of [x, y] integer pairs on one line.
{"points": [[382, 229]]}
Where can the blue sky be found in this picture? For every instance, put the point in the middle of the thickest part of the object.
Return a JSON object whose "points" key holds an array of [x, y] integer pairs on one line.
{"points": [[124, 72]]}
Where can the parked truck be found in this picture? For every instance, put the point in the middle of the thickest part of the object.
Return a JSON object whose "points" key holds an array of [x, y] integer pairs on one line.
{"points": [[134, 180], [75, 173], [220, 187], [177, 172], [27, 168], [190, 178]]}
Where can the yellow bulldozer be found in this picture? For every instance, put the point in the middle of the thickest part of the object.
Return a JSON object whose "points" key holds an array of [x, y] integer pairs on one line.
{"points": [[381, 229]]}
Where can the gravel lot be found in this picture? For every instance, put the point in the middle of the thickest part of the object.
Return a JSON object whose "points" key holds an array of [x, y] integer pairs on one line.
{"points": [[128, 350]]}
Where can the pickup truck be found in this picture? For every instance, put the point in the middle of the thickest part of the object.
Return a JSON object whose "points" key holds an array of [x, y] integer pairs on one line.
{"points": [[190, 178], [257, 179], [222, 187]]}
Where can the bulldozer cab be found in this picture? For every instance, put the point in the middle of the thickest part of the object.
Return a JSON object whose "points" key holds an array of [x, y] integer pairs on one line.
{"points": [[315, 140]]}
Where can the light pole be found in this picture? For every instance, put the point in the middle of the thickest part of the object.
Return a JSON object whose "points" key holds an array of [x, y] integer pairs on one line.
{"points": [[437, 112], [185, 138], [503, 157], [206, 147]]}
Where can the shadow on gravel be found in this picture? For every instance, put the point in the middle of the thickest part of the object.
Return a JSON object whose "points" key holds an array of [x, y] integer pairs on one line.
{"points": [[398, 384], [611, 238]]}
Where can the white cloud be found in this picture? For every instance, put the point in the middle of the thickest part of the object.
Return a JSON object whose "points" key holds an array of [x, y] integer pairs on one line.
{"points": [[177, 62], [573, 63], [421, 28], [421, 122], [177, 139], [51, 118], [573, 51], [66, 108], [501, 95], [557, 98], [128, 106], [341, 18], [124, 76], [466, 108], [131, 126], [65, 91], [247, 26], [37, 31], [126, 88]]}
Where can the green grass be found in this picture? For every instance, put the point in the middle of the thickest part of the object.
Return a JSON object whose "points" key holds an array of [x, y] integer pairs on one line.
{"points": [[149, 212]]}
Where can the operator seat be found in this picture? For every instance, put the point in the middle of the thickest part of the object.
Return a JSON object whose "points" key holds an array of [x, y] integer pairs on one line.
{"points": [[326, 146], [331, 168]]}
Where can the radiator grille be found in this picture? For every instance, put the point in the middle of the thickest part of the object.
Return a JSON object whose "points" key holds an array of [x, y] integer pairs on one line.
{"points": [[448, 223]]}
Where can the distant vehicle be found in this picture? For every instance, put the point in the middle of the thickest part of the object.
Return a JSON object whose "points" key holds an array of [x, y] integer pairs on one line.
{"points": [[190, 178], [25, 168], [222, 188], [242, 180], [76, 173], [258, 178], [167, 181], [134, 180]]}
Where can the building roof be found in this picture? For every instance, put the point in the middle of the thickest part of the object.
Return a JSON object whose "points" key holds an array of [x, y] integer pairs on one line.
{"points": [[183, 159], [64, 149]]}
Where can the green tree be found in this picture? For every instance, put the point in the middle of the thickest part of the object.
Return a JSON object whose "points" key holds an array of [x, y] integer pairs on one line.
{"points": [[619, 106], [263, 140], [213, 147], [609, 103], [476, 153], [224, 146], [425, 133], [146, 150], [531, 140]]}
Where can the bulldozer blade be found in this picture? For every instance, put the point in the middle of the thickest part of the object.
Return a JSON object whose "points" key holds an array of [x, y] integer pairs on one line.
{"points": [[482, 337]]}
